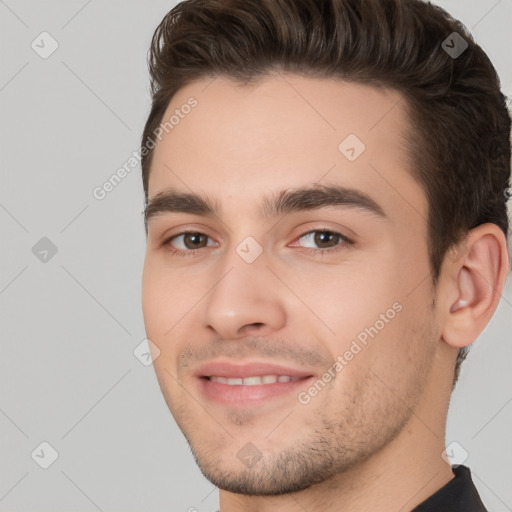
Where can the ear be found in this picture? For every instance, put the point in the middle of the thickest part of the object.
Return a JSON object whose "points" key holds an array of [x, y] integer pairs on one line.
{"points": [[472, 284]]}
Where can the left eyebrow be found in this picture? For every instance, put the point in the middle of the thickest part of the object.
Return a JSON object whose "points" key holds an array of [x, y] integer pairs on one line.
{"points": [[316, 197], [282, 203]]}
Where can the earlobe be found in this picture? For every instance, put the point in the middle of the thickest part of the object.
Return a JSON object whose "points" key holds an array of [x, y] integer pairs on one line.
{"points": [[475, 283]]}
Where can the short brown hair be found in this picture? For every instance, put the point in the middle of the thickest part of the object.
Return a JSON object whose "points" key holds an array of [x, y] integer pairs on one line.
{"points": [[460, 126]]}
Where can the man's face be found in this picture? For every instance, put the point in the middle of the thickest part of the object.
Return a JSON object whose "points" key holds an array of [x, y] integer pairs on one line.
{"points": [[288, 291]]}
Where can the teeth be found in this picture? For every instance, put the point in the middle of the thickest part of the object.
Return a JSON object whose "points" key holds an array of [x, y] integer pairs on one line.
{"points": [[254, 381]]}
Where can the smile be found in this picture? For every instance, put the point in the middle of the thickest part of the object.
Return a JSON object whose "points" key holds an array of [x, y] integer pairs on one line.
{"points": [[249, 384], [254, 381]]}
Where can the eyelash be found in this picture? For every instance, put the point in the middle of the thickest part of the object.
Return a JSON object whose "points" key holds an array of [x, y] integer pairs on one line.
{"points": [[344, 241]]}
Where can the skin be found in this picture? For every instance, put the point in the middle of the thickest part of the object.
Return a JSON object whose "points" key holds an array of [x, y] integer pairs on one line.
{"points": [[372, 438]]}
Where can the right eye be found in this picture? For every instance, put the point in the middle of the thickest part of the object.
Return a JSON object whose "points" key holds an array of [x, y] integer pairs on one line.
{"points": [[188, 243]]}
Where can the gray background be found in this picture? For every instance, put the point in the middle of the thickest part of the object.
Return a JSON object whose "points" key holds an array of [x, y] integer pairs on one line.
{"points": [[70, 325]]}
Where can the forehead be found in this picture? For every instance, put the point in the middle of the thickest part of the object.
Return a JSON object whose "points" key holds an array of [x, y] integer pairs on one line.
{"points": [[284, 131]]}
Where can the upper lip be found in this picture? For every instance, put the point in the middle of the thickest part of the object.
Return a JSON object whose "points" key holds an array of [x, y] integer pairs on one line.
{"points": [[241, 370]]}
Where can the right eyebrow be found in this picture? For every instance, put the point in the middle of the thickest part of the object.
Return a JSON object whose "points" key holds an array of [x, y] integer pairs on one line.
{"points": [[173, 201]]}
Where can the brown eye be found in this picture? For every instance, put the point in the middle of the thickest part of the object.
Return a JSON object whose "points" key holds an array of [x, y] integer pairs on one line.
{"points": [[188, 242], [322, 239], [326, 239], [194, 240]]}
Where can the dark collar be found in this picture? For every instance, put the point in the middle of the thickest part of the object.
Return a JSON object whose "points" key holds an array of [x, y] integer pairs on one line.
{"points": [[458, 495]]}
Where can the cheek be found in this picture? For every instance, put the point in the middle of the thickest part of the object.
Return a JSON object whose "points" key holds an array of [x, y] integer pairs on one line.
{"points": [[350, 298], [170, 304], [373, 317], [160, 304], [152, 305], [165, 295]]}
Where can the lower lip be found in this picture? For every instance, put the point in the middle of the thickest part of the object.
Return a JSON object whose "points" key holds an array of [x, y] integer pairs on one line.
{"points": [[241, 395]]}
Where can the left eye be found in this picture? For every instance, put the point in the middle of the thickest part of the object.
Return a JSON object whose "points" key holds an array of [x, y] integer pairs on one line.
{"points": [[322, 239]]}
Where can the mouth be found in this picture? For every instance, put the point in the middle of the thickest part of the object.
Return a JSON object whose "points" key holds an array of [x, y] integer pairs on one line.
{"points": [[249, 385], [253, 381]]}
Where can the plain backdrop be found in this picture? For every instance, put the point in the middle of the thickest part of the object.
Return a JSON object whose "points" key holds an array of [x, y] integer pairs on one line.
{"points": [[71, 269]]}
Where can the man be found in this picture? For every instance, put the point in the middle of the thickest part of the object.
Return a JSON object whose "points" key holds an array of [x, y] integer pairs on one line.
{"points": [[326, 187]]}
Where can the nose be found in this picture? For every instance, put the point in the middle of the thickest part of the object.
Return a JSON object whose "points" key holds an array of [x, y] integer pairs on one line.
{"points": [[245, 300]]}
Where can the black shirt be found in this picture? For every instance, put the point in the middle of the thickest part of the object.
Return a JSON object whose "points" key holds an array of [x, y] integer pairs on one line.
{"points": [[458, 495]]}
